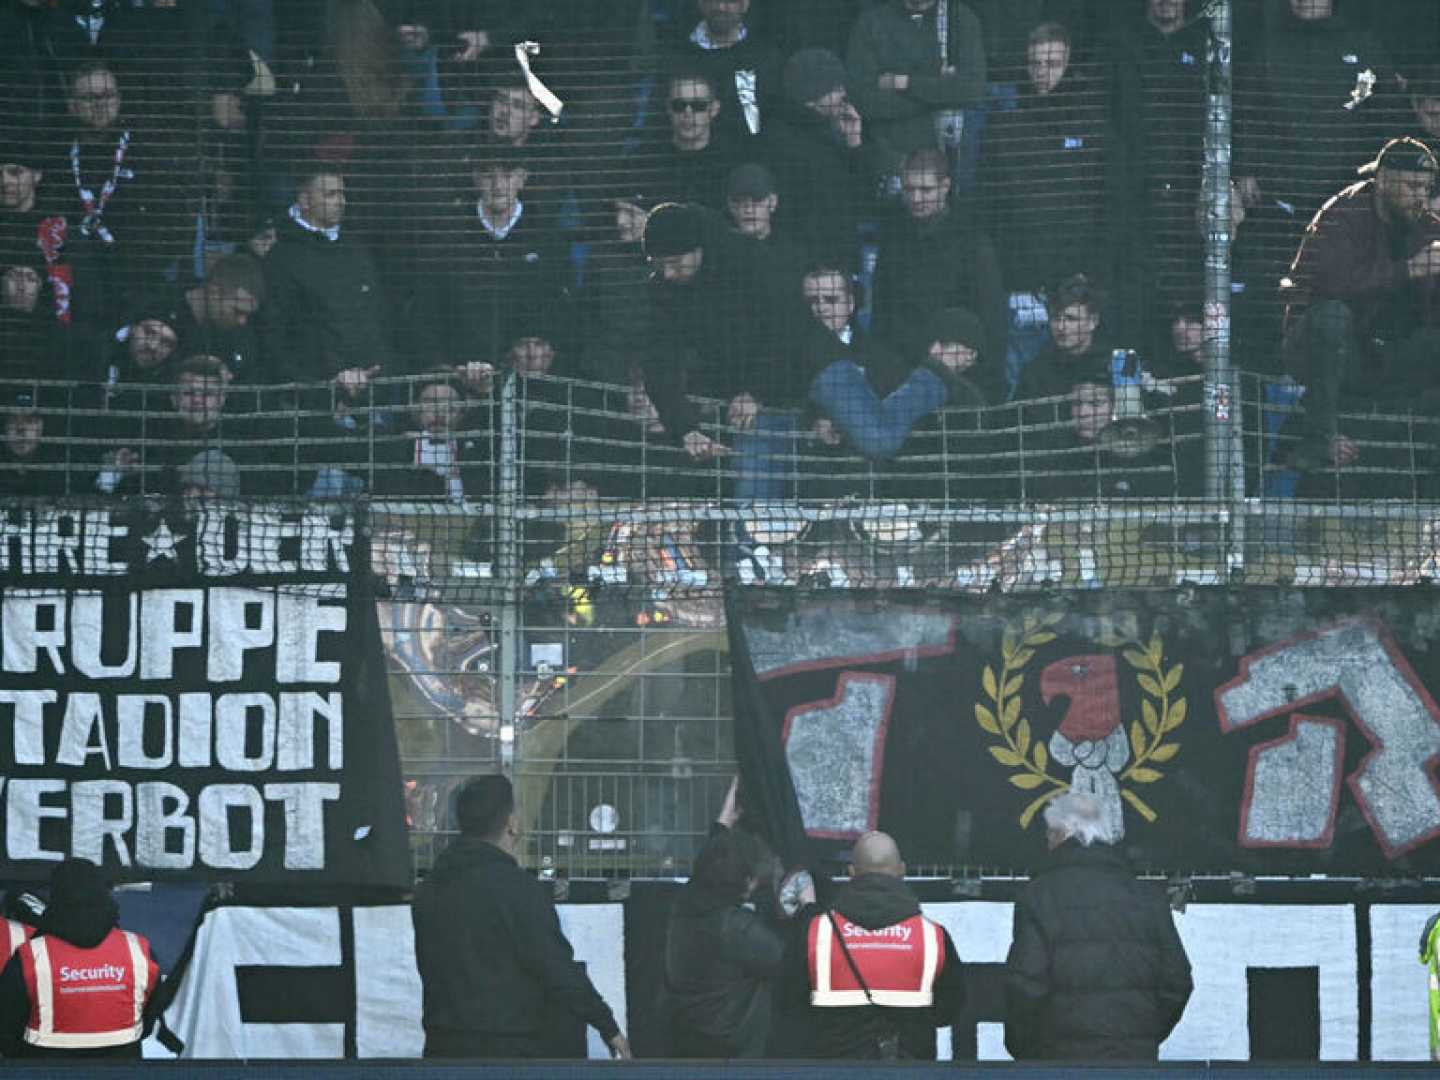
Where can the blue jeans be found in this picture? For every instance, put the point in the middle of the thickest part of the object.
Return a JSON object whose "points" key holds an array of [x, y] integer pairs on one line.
{"points": [[766, 458], [1029, 331], [876, 428]]}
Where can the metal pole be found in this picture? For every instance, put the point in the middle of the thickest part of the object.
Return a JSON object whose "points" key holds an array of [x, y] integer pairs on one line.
{"points": [[1224, 462], [510, 573]]}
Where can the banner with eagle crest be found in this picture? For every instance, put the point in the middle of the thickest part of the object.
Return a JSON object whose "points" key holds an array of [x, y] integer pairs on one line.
{"points": [[1261, 730]]}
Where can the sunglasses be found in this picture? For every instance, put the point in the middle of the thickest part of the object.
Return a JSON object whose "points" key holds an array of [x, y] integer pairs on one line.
{"points": [[693, 105]]}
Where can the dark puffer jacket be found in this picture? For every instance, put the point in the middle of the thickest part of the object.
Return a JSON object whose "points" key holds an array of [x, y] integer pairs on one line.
{"points": [[1096, 969], [721, 961]]}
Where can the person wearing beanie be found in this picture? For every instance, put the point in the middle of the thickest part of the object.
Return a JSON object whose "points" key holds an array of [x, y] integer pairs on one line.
{"points": [[911, 82], [826, 169], [1362, 321], [102, 1009]]}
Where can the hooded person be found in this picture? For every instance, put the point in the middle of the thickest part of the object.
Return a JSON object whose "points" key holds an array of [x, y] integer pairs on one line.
{"points": [[100, 1009]]}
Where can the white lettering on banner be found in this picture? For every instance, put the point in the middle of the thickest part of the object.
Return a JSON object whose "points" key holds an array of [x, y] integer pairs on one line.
{"points": [[161, 811], [89, 824], [84, 718], [1357, 663], [23, 814], [229, 624], [236, 541], [232, 609], [28, 726], [87, 628], [24, 640], [139, 674]]}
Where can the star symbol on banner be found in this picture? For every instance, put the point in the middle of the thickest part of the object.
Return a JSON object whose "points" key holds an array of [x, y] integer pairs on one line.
{"points": [[162, 543]]}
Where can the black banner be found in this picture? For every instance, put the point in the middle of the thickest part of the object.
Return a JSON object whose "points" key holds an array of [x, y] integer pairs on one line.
{"points": [[1264, 730], [196, 692]]}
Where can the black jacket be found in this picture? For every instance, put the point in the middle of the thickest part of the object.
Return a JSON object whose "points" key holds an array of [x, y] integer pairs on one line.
{"points": [[875, 901], [494, 963], [721, 961], [929, 265], [1096, 969], [324, 311]]}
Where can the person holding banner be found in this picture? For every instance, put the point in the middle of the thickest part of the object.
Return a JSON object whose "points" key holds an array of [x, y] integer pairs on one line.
{"points": [[80, 987]]}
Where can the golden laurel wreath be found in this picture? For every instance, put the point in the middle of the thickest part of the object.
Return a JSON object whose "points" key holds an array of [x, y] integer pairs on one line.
{"points": [[1027, 757]]}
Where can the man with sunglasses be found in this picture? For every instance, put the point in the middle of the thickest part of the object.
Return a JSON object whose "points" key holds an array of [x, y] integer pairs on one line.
{"points": [[692, 164], [1363, 314]]}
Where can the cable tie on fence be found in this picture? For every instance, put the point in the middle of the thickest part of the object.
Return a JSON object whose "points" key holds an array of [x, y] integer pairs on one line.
{"points": [[524, 50]]}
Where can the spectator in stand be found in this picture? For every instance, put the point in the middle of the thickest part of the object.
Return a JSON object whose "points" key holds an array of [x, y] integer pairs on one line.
{"points": [[1074, 344], [713, 332], [1314, 61], [229, 184], [1088, 453], [444, 452], [617, 301], [31, 461], [32, 341], [1423, 121], [217, 316], [158, 445], [501, 261], [750, 203], [934, 256], [142, 353], [743, 65], [1043, 186], [692, 163], [1363, 320], [1159, 63], [915, 67], [125, 191], [210, 474], [27, 218], [326, 316], [827, 169]]}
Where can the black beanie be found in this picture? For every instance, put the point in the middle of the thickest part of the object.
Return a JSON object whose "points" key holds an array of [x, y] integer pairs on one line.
{"points": [[959, 326], [813, 73], [672, 229]]}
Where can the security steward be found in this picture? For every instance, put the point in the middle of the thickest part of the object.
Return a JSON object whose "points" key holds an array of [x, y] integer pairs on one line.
{"points": [[882, 977], [80, 987]]}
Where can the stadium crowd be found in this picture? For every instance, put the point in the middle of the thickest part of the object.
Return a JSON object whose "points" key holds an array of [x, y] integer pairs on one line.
{"points": [[293, 248]]}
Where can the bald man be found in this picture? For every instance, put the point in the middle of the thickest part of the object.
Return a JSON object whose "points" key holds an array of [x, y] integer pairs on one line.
{"points": [[882, 977]]}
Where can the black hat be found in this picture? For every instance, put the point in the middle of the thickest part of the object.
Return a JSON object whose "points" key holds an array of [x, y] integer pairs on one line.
{"points": [[749, 181], [672, 229], [812, 73], [1406, 155], [957, 325]]}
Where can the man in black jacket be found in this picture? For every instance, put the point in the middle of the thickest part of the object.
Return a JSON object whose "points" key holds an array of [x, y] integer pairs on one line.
{"points": [[325, 319], [494, 963], [1096, 969]]}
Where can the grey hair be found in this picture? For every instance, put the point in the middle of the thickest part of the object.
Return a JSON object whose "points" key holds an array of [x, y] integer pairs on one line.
{"points": [[1078, 815]]}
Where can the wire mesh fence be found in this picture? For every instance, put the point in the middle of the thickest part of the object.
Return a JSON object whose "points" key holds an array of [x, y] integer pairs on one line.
{"points": [[871, 293]]}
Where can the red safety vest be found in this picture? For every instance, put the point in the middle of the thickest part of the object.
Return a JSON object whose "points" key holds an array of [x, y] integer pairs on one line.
{"points": [[16, 934], [900, 963], [87, 998]]}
